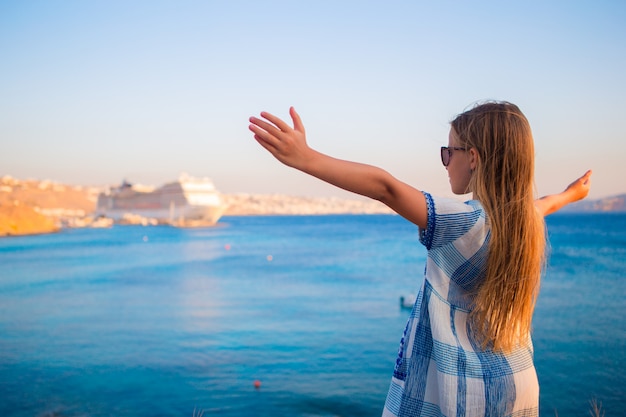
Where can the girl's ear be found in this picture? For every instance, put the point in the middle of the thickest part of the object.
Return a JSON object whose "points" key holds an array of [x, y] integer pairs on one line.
{"points": [[473, 155]]}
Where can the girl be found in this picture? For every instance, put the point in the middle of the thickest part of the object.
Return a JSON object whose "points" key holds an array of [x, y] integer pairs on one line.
{"points": [[466, 349]]}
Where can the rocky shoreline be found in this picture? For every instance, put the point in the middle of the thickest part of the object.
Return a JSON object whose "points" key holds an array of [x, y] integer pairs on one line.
{"points": [[36, 207]]}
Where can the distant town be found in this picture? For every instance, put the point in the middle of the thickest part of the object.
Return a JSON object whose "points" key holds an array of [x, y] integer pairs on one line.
{"points": [[43, 206]]}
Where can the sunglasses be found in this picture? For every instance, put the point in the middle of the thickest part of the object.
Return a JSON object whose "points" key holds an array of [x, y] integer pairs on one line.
{"points": [[446, 153]]}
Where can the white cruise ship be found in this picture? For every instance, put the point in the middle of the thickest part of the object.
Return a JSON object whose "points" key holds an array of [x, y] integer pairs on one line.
{"points": [[187, 202]]}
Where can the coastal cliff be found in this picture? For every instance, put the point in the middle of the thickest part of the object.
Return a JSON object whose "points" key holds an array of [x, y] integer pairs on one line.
{"points": [[18, 219]]}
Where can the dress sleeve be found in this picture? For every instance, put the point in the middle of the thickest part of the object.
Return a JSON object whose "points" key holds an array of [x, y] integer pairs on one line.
{"points": [[448, 220], [426, 235]]}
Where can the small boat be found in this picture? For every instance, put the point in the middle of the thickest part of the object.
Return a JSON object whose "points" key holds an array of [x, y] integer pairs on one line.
{"points": [[407, 301]]}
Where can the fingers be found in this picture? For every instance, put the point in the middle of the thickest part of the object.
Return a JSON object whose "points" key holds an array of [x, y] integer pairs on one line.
{"points": [[279, 123], [274, 134], [580, 187], [276, 124], [261, 125], [269, 129], [265, 144], [584, 179], [297, 122], [265, 134]]}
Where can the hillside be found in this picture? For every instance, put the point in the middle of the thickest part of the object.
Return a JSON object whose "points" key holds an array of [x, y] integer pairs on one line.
{"points": [[32, 206], [614, 203]]}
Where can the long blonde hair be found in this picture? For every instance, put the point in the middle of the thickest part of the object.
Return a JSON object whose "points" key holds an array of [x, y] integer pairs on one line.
{"points": [[503, 181]]}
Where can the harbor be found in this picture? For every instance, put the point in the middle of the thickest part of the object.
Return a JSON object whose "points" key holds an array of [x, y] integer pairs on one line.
{"points": [[44, 206]]}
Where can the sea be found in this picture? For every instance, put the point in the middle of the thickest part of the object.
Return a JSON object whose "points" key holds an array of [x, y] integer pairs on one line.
{"points": [[274, 316]]}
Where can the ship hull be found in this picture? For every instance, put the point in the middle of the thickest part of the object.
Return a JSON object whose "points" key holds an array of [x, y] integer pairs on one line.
{"points": [[180, 215]]}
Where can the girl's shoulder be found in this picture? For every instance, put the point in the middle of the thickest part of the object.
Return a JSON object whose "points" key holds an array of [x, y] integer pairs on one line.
{"points": [[451, 219], [447, 205]]}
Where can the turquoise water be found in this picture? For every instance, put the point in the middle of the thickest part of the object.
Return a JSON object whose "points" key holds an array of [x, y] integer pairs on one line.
{"points": [[159, 321]]}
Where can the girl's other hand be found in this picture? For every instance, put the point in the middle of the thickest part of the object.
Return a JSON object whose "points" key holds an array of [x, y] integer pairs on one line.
{"points": [[579, 188]]}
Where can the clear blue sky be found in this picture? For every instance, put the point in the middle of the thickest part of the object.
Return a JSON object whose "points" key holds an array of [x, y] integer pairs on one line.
{"points": [[92, 92]]}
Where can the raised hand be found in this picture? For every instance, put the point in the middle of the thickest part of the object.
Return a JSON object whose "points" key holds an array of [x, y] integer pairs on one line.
{"points": [[579, 189], [574, 192], [286, 143]]}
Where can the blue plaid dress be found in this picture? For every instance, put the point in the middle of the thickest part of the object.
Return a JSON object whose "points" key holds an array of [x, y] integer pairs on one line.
{"points": [[441, 370]]}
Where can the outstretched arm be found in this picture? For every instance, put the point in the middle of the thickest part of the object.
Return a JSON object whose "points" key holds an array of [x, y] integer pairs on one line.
{"points": [[288, 145], [574, 192]]}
